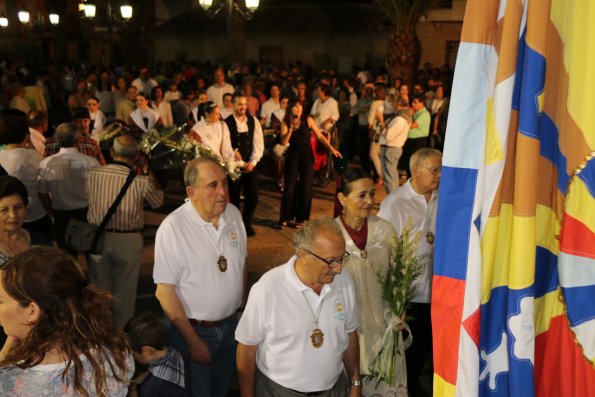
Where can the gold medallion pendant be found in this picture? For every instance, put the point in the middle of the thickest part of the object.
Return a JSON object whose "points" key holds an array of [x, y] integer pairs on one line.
{"points": [[317, 338], [363, 254], [430, 238], [222, 262]]}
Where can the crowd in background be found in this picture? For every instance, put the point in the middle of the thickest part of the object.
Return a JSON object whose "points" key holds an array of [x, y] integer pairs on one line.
{"points": [[53, 118]]}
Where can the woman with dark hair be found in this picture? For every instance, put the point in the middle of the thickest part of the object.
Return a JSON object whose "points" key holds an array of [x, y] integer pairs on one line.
{"points": [[23, 163], [61, 338], [143, 116], [299, 131], [368, 240], [98, 118], [13, 210], [161, 106], [211, 131]]}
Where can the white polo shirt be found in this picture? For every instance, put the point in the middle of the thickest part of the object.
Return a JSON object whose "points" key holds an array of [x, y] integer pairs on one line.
{"points": [[396, 208], [186, 252], [277, 319]]}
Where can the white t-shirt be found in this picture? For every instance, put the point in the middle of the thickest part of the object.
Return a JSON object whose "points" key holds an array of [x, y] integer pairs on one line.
{"points": [[63, 177], [396, 208], [278, 320], [267, 109], [187, 249], [395, 133], [322, 111], [215, 93]]}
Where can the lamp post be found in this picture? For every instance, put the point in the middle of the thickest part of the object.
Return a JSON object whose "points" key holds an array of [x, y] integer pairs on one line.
{"points": [[89, 10], [233, 7]]}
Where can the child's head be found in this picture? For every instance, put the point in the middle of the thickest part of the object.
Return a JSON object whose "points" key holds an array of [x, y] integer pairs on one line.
{"points": [[147, 336]]}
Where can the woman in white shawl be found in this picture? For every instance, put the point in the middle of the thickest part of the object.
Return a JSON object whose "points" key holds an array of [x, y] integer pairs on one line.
{"points": [[368, 240], [211, 131], [98, 118], [143, 116]]}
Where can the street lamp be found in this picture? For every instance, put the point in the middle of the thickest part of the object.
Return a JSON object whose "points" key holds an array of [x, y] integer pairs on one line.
{"points": [[3, 20], [252, 5], [89, 10], [233, 7], [126, 11], [23, 16], [206, 4], [54, 19]]}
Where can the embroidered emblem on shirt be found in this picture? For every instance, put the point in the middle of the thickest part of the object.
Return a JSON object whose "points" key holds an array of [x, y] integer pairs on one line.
{"points": [[233, 239], [340, 309]]}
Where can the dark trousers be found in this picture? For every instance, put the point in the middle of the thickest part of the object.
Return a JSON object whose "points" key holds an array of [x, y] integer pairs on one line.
{"points": [[211, 379], [417, 354], [40, 230], [297, 194], [410, 147], [61, 218], [249, 183], [266, 387]]}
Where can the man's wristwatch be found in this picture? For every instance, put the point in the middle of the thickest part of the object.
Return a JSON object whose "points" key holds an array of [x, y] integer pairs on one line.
{"points": [[356, 382]]}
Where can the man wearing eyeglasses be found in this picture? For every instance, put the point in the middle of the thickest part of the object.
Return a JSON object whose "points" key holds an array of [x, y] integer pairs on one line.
{"points": [[417, 201], [300, 324]]}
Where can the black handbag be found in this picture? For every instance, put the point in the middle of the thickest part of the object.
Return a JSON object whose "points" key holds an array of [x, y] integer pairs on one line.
{"points": [[86, 237]]}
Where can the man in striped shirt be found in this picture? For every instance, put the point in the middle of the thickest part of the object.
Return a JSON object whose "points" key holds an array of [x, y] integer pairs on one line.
{"points": [[116, 269]]}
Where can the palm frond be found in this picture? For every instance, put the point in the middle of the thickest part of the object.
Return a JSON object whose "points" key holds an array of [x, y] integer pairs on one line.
{"points": [[404, 14]]}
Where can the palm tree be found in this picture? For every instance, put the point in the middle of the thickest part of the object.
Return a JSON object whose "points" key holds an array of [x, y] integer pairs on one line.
{"points": [[403, 49]]}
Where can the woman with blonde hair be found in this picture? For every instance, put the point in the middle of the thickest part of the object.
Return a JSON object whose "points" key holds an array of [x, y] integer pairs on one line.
{"points": [[61, 339]]}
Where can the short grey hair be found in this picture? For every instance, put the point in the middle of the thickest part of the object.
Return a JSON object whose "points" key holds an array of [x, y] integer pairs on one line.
{"points": [[306, 236], [420, 155], [67, 134], [123, 149], [191, 170]]}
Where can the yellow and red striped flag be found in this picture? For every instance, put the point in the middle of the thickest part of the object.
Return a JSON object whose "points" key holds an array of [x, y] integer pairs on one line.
{"points": [[513, 305]]}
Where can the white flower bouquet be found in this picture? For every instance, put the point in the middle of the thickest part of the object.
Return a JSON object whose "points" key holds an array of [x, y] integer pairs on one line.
{"points": [[397, 288]]}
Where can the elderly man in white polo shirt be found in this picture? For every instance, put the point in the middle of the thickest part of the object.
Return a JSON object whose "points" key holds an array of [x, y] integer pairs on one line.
{"points": [[300, 324], [418, 200], [200, 251]]}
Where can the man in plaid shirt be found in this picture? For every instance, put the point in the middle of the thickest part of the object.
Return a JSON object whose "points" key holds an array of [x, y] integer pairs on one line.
{"points": [[85, 145]]}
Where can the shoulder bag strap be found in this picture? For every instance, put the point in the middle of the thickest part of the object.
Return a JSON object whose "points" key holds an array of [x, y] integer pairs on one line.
{"points": [[112, 209]]}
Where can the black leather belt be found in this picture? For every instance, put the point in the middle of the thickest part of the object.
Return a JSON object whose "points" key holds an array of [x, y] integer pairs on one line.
{"points": [[206, 324], [308, 393], [122, 231]]}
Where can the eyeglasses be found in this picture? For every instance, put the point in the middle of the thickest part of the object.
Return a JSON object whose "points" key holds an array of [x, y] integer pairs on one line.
{"points": [[329, 262], [434, 171]]}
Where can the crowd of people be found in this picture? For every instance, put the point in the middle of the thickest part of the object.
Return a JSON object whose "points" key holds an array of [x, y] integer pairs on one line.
{"points": [[309, 327]]}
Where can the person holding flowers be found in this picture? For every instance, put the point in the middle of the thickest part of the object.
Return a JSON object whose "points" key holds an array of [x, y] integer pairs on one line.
{"points": [[370, 241], [413, 207]]}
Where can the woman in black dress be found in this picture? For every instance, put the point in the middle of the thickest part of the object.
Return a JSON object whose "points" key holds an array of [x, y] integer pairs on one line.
{"points": [[300, 132]]}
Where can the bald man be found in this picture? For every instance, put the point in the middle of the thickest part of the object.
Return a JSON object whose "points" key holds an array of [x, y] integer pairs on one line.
{"points": [[116, 268]]}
